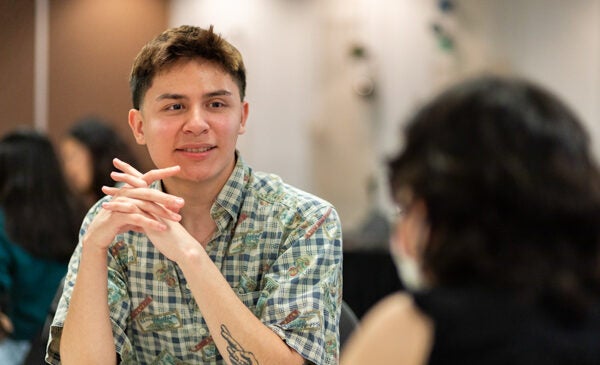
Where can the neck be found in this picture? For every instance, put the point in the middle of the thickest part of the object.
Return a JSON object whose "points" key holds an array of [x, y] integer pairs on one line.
{"points": [[199, 198], [195, 214]]}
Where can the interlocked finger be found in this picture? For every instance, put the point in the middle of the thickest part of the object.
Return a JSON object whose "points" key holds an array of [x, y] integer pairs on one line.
{"points": [[140, 221], [133, 177], [158, 197], [158, 174], [126, 168], [150, 209]]}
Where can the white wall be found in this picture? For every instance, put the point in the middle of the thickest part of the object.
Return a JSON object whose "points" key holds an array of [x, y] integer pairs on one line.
{"points": [[556, 43], [295, 49], [279, 43]]}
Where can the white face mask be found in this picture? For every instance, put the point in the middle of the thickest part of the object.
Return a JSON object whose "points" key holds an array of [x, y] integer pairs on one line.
{"points": [[409, 271], [411, 233]]}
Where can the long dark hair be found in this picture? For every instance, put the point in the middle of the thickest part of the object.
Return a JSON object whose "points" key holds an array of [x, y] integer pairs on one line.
{"points": [[511, 189], [41, 213], [104, 144]]}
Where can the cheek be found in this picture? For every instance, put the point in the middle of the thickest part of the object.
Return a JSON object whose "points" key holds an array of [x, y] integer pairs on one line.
{"points": [[77, 165], [79, 172], [158, 137], [404, 236], [157, 130], [396, 237], [227, 131]]}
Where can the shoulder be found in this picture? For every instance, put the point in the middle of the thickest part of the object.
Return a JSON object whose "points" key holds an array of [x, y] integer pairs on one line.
{"points": [[272, 190], [393, 332]]}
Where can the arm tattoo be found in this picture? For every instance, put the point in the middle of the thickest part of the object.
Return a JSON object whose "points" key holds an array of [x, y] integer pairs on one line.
{"points": [[237, 354]]}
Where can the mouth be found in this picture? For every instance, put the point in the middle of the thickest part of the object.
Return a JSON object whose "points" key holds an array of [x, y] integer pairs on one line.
{"points": [[197, 150]]}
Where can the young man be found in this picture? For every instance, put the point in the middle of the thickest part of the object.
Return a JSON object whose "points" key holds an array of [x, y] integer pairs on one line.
{"points": [[208, 261]]}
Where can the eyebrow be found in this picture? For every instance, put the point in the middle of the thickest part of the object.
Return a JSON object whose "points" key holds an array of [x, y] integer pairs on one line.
{"points": [[211, 94], [169, 96], [218, 93]]}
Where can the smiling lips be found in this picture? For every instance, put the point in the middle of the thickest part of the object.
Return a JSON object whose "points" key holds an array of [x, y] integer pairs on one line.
{"points": [[197, 150]]}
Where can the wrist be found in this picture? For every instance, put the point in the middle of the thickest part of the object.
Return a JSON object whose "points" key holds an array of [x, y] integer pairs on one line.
{"points": [[89, 248], [193, 257]]}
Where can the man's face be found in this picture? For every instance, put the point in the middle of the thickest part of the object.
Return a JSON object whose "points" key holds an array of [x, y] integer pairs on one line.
{"points": [[191, 116]]}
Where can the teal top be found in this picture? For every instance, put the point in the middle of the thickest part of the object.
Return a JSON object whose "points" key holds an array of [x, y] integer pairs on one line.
{"points": [[30, 283]]}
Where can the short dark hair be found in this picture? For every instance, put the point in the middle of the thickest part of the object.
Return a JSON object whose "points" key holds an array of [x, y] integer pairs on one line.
{"points": [[184, 42], [511, 188]]}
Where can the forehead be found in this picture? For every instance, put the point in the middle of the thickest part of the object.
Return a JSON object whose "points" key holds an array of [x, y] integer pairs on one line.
{"points": [[193, 73], [71, 145]]}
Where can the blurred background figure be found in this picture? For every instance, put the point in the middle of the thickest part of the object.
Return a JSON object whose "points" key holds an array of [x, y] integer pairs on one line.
{"points": [[499, 235], [39, 222], [87, 152]]}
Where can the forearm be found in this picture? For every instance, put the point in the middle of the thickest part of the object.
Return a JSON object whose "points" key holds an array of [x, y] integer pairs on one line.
{"points": [[87, 333], [236, 331]]}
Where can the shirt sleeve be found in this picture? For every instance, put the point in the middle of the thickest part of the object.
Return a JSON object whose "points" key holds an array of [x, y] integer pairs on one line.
{"points": [[118, 301], [301, 297]]}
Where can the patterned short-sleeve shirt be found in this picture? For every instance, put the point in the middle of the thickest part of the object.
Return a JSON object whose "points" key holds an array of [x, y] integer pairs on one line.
{"points": [[279, 248]]}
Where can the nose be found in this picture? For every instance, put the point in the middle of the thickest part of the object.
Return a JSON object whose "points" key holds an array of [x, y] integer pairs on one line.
{"points": [[196, 123]]}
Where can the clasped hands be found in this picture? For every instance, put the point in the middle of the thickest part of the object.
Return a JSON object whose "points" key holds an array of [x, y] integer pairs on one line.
{"points": [[135, 206]]}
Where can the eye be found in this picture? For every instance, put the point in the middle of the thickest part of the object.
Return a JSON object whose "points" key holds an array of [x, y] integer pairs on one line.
{"points": [[175, 107], [216, 104]]}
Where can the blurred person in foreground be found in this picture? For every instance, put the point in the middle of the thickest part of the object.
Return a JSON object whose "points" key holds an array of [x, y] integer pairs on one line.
{"points": [[87, 151], [499, 235], [203, 260], [39, 221]]}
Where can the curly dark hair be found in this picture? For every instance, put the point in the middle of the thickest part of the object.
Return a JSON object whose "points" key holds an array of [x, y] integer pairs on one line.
{"points": [[511, 189], [184, 42]]}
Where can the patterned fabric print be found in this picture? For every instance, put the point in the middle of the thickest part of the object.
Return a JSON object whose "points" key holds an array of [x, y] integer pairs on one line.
{"points": [[278, 247]]}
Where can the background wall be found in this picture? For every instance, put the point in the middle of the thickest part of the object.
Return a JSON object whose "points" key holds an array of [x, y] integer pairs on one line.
{"points": [[330, 82], [16, 63], [93, 44], [90, 47], [308, 124]]}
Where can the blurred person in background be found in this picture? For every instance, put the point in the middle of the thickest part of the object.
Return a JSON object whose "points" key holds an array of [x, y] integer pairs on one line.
{"points": [[499, 235], [39, 222], [87, 152]]}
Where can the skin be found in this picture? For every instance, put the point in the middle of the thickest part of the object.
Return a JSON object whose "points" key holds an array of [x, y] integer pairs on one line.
{"points": [[190, 119], [395, 331], [77, 163]]}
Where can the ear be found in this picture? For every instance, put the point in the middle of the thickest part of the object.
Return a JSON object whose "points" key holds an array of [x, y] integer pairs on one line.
{"points": [[245, 109], [136, 124]]}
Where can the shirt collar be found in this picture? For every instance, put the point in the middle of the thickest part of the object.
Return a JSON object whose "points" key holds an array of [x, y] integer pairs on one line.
{"points": [[230, 198], [232, 194]]}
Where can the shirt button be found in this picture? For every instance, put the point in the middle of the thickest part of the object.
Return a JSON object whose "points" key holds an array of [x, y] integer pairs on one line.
{"points": [[202, 331]]}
